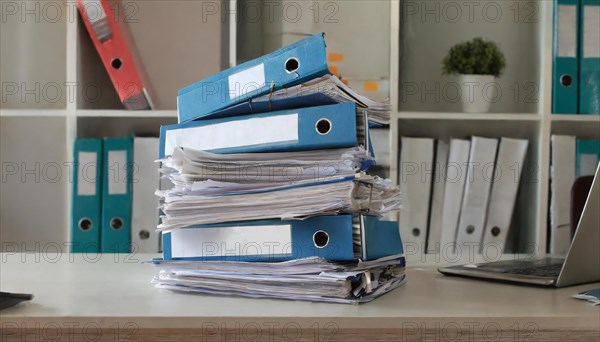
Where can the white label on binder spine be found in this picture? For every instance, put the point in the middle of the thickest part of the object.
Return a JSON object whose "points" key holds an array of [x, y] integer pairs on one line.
{"points": [[567, 31], [232, 241], [246, 81], [587, 164], [117, 172], [591, 31], [87, 172], [94, 10], [238, 133]]}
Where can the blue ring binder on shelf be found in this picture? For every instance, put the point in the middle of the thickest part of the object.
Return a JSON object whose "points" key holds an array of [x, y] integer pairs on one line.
{"points": [[86, 196]]}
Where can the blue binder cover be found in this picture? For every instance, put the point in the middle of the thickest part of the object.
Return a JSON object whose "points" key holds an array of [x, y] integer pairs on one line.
{"points": [[291, 65], [381, 238], [311, 128], [117, 179], [86, 196], [253, 106], [587, 157], [565, 78], [589, 58], [328, 237]]}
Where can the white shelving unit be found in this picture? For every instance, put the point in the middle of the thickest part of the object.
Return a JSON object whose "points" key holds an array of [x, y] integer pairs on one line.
{"points": [[179, 44], [530, 25], [49, 50]]}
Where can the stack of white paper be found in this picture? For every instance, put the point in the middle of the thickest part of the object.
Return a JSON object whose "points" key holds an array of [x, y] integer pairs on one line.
{"points": [[186, 206], [188, 167], [213, 188], [311, 279], [330, 85]]}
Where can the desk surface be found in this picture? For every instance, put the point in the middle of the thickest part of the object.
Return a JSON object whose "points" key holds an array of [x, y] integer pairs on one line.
{"points": [[115, 290]]}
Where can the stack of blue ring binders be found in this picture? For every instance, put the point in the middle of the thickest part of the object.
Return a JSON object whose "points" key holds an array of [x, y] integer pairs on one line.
{"points": [[271, 195]]}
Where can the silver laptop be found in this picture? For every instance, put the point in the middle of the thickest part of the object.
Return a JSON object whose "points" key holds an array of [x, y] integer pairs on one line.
{"points": [[581, 265]]}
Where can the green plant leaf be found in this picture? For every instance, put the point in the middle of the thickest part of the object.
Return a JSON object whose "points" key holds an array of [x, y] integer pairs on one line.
{"points": [[475, 57]]}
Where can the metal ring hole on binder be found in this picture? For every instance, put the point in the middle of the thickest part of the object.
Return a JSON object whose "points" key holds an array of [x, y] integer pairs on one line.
{"points": [[85, 224], [323, 126], [116, 63], [416, 231], [495, 231], [566, 80], [291, 65], [116, 223], [144, 234], [470, 229], [320, 239]]}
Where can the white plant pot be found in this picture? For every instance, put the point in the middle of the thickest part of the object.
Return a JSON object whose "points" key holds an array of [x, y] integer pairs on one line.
{"points": [[478, 93]]}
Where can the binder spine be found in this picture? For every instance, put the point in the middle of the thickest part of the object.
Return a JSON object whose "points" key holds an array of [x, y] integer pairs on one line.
{"points": [[415, 174], [86, 196], [565, 80], [116, 195], [561, 180], [511, 156], [589, 57], [456, 176], [477, 193], [144, 212], [434, 234], [301, 129], [328, 237]]}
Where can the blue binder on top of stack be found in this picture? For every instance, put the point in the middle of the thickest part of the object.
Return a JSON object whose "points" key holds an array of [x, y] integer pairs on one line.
{"points": [[276, 197], [285, 67]]}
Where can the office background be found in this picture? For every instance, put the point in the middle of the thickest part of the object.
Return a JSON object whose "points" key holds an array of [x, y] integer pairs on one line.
{"points": [[54, 87]]}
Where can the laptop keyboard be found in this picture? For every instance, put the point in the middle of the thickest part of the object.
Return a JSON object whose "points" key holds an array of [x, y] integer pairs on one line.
{"points": [[550, 271], [545, 267]]}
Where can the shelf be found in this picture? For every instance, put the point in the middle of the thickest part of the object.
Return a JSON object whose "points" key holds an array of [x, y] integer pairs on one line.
{"points": [[516, 26], [582, 126], [118, 113], [427, 106], [28, 113], [466, 116], [189, 50], [526, 223], [575, 118], [32, 54], [95, 126], [35, 174]]}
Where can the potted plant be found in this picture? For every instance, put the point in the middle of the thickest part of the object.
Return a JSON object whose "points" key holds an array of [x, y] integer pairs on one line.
{"points": [[477, 62]]}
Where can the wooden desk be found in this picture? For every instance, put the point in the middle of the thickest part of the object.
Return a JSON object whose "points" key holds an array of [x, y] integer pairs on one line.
{"points": [[112, 300]]}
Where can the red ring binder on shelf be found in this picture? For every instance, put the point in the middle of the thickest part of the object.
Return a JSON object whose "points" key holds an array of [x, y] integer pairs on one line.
{"points": [[113, 41]]}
